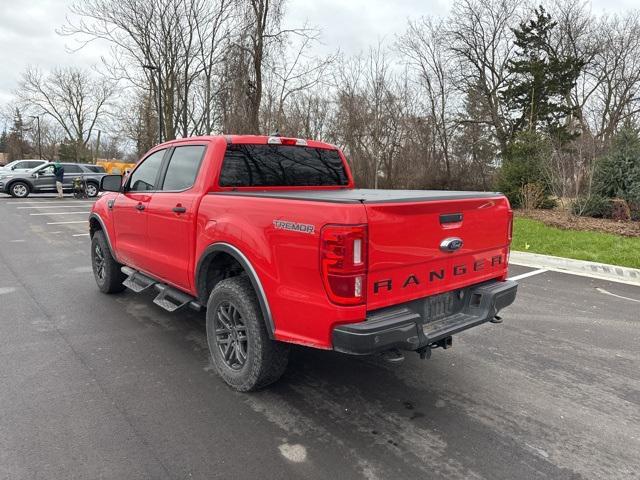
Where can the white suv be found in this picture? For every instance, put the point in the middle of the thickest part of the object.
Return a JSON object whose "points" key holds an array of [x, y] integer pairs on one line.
{"points": [[22, 165]]}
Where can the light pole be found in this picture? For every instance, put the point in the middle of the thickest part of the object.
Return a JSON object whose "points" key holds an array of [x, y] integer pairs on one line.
{"points": [[37, 117], [153, 68]]}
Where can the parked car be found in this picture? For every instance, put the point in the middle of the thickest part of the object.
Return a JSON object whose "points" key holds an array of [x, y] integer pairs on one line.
{"points": [[22, 165], [271, 237], [42, 180]]}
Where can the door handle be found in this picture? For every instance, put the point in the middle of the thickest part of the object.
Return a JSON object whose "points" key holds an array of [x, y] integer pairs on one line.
{"points": [[140, 207], [179, 209]]}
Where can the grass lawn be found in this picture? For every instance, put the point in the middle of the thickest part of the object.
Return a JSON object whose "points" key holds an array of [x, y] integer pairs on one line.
{"points": [[592, 246]]}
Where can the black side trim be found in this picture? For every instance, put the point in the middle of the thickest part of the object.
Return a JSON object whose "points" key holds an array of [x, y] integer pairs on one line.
{"points": [[201, 278]]}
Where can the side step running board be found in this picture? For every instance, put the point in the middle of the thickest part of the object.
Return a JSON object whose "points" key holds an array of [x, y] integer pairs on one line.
{"points": [[137, 281], [169, 298]]}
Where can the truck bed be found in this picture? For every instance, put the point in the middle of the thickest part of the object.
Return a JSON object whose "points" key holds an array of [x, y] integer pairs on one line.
{"points": [[364, 196]]}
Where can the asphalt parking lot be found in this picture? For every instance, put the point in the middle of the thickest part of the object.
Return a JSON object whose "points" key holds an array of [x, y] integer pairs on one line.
{"points": [[113, 387]]}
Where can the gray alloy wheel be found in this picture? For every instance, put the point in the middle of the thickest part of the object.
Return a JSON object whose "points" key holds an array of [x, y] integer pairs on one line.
{"points": [[231, 335], [19, 190], [92, 189]]}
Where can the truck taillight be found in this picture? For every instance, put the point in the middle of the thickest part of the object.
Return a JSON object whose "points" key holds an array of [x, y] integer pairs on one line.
{"points": [[343, 262]]}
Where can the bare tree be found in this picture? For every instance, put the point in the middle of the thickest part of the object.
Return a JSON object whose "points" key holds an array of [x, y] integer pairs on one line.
{"points": [[424, 47], [481, 37], [168, 46], [69, 96]]}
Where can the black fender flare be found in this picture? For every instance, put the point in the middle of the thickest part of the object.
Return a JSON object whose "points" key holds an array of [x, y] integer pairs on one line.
{"points": [[96, 217], [201, 278]]}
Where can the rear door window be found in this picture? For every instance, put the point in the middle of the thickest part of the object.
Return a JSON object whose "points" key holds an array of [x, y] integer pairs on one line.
{"points": [[248, 165], [72, 169], [145, 175], [183, 167]]}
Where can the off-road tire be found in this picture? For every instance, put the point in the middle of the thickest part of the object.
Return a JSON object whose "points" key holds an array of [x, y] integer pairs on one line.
{"points": [[266, 359], [112, 277], [19, 190]]}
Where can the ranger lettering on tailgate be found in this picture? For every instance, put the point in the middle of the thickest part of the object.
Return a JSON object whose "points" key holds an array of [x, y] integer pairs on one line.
{"points": [[439, 275]]}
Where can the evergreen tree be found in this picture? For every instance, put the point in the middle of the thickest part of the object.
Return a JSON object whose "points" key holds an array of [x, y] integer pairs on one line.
{"points": [[540, 80], [475, 143], [17, 147], [618, 173], [3, 141]]}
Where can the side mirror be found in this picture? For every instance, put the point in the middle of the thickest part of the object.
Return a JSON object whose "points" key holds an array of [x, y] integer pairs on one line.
{"points": [[111, 183]]}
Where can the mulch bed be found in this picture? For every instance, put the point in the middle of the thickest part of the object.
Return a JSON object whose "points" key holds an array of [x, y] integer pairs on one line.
{"points": [[562, 219]]}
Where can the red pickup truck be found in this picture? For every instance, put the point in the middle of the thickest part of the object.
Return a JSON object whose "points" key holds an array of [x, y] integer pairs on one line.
{"points": [[269, 235]]}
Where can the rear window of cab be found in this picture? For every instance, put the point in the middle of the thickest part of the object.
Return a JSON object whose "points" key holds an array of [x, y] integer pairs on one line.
{"points": [[251, 165]]}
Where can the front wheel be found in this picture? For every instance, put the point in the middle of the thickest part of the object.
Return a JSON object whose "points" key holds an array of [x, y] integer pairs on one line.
{"points": [[19, 190], [106, 270], [242, 352]]}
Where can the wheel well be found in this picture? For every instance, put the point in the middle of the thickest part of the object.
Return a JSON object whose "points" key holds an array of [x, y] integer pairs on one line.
{"points": [[19, 180], [94, 226], [214, 268]]}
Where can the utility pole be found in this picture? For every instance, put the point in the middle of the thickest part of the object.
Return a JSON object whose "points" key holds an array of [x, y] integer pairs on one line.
{"points": [[37, 117], [153, 68]]}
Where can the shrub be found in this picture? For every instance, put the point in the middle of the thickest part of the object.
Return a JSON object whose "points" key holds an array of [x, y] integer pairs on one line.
{"points": [[618, 173], [634, 209], [594, 206], [548, 203], [620, 209], [531, 196]]}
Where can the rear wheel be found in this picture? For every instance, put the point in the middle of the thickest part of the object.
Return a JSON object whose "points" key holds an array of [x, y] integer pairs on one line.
{"points": [[242, 352], [106, 270], [19, 190]]}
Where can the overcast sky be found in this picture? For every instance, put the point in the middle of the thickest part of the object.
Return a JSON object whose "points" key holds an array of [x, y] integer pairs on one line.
{"points": [[28, 29]]}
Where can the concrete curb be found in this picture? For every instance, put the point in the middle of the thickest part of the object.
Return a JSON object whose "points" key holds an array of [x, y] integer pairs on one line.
{"points": [[602, 271]]}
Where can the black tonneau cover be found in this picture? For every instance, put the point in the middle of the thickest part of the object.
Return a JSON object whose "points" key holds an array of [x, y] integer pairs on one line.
{"points": [[361, 195]]}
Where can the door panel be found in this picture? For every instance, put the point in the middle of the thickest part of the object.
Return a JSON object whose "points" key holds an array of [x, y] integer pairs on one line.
{"points": [[170, 236], [130, 221], [130, 213], [172, 216], [45, 179]]}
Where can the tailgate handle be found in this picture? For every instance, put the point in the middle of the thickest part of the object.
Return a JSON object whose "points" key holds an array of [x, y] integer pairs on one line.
{"points": [[450, 218]]}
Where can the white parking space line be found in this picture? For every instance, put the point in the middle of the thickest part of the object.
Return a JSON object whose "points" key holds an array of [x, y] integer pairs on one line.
{"points": [[52, 206], [67, 223], [602, 290], [528, 274], [60, 213], [80, 235]]}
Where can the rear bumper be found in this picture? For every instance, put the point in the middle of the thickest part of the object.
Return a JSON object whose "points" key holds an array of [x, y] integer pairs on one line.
{"points": [[409, 326]]}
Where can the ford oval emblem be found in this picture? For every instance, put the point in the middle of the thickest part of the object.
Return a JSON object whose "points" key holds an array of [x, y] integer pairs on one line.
{"points": [[451, 244]]}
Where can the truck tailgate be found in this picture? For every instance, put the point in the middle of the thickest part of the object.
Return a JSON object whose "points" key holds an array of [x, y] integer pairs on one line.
{"points": [[406, 260]]}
